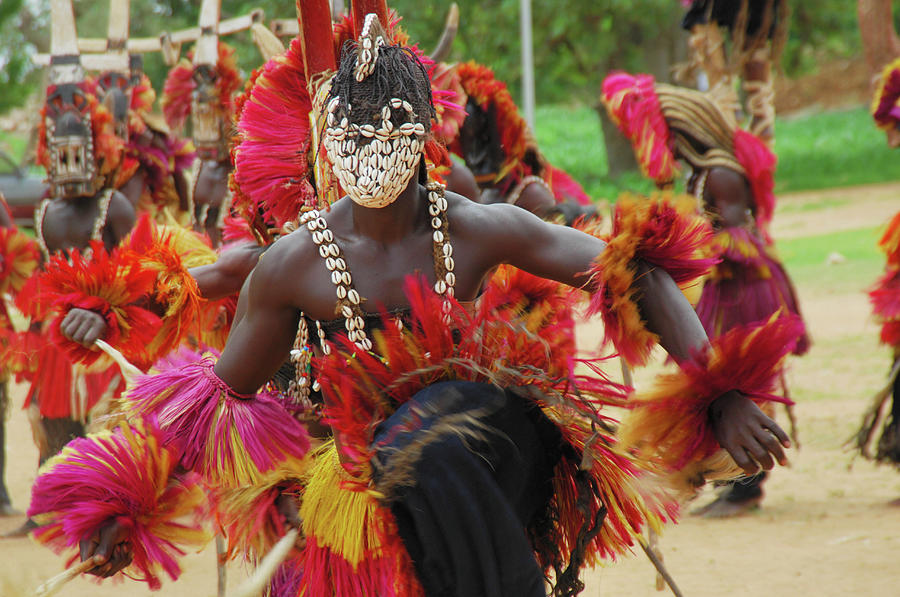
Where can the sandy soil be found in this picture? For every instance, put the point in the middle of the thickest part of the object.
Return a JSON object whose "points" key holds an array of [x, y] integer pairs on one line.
{"points": [[824, 529]]}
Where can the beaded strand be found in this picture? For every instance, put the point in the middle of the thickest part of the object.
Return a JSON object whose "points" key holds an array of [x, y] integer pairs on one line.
{"points": [[349, 302]]}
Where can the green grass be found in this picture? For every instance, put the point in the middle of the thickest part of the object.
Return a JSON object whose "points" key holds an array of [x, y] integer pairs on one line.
{"points": [[822, 150], [832, 149], [806, 260], [814, 205], [14, 145]]}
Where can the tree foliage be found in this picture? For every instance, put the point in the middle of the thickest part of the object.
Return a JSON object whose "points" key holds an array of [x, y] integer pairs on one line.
{"points": [[575, 41]]}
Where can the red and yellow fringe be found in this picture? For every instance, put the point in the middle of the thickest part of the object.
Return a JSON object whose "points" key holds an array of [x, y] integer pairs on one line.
{"points": [[662, 231], [669, 425]]}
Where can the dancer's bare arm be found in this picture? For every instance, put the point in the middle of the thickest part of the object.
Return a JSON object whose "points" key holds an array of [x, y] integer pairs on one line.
{"points": [[564, 254], [226, 276]]}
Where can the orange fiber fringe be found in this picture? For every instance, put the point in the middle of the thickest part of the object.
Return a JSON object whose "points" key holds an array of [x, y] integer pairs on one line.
{"points": [[662, 231], [362, 389], [669, 425]]}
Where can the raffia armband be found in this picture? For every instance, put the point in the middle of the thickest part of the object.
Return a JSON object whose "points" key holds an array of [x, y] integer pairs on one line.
{"points": [[669, 425], [127, 475], [662, 231]]}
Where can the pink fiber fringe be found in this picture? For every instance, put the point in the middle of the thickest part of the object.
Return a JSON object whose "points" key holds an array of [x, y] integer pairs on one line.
{"points": [[759, 163], [225, 437], [124, 476]]}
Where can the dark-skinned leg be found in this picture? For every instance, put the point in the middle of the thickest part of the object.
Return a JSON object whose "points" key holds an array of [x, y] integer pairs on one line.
{"points": [[894, 425], [59, 432], [6, 508]]}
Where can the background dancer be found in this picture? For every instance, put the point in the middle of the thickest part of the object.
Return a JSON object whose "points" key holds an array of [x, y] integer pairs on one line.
{"points": [[732, 176]]}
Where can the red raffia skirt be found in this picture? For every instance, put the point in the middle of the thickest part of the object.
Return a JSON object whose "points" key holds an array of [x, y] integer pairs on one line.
{"points": [[748, 286], [63, 390]]}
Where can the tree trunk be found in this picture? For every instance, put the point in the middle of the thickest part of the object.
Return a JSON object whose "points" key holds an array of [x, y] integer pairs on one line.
{"points": [[876, 28], [619, 154], [669, 48]]}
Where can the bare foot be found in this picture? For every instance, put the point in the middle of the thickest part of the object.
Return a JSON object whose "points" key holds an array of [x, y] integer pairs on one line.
{"points": [[726, 505], [6, 509], [27, 526]]}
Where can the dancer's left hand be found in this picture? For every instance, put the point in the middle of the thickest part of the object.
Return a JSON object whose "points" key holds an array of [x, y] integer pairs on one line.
{"points": [[83, 326], [747, 434], [109, 548]]}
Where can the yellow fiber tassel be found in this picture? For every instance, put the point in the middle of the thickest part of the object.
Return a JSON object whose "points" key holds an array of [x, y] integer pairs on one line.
{"points": [[338, 515]]}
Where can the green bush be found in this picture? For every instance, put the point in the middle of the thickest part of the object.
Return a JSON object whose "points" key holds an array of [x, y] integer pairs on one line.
{"points": [[816, 151]]}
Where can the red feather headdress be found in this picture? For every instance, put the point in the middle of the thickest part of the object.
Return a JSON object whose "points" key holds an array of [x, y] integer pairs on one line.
{"points": [[516, 139], [272, 171], [633, 106], [176, 98]]}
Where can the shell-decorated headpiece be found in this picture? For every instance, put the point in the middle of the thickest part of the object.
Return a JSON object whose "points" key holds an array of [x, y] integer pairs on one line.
{"points": [[373, 157]]}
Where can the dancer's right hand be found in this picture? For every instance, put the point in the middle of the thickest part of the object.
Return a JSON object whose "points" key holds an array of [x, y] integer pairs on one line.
{"points": [[83, 326], [289, 509], [110, 549]]}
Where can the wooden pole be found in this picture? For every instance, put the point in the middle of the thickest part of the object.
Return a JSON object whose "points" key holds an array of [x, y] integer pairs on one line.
{"points": [[117, 28], [63, 37], [363, 7], [206, 50], [527, 61], [314, 17]]}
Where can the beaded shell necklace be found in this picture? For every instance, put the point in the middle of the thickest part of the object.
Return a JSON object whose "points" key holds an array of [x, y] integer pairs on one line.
{"points": [[348, 299]]}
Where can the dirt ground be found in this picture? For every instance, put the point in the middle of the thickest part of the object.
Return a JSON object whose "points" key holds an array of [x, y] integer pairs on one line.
{"points": [[824, 528]]}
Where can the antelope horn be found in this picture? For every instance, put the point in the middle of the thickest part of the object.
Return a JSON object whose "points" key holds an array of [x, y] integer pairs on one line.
{"points": [[170, 50], [266, 42], [63, 37], [451, 26]]}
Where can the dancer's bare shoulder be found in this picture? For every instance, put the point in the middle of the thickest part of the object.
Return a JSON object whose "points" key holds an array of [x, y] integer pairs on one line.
{"points": [[292, 273]]}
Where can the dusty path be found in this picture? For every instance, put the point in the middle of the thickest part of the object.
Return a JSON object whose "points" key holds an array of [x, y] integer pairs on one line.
{"points": [[832, 210], [823, 530]]}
